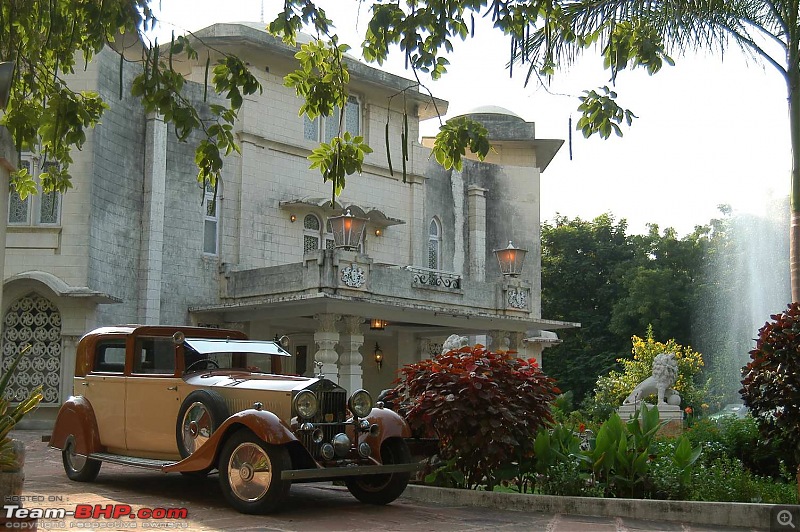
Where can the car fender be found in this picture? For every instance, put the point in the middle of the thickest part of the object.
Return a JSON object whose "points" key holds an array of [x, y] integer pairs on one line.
{"points": [[264, 424], [390, 425], [76, 418]]}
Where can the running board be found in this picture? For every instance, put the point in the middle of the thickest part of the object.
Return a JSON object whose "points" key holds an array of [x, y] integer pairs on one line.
{"points": [[329, 473], [145, 463]]}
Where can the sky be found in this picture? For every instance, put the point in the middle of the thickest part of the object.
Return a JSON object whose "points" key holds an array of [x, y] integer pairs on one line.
{"points": [[710, 131]]}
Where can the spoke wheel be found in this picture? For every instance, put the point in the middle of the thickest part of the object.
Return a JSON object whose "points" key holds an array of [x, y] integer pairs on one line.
{"points": [[250, 473], [77, 467], [383, 489], [201, 413]]}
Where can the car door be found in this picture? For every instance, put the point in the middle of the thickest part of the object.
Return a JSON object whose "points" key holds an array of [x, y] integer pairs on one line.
{"points": [[153, 399], [104, 388]]}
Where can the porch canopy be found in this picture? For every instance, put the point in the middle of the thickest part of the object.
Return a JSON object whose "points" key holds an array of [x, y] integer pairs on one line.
{"points": [[296, 313]]}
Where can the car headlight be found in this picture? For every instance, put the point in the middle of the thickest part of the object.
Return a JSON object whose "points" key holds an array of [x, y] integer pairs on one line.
{"points": [[306, 404], [360, 403]]}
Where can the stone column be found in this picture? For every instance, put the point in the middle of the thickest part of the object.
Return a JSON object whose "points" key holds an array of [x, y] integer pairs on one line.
{"points": [[476, 203], [498, 341], [8, 164], [350, 371], [515, 341], [152, 243], [326, 337]]}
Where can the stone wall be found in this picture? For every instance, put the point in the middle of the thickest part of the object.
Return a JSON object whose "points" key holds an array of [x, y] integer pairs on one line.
{"points": [[116, 194]]}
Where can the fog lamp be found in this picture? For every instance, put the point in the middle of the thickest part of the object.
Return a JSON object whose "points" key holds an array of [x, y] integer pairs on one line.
{"points": [[326, 451]]}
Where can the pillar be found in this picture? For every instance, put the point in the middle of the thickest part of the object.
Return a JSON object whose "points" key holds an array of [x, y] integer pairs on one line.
{"points": [[152, 243], [476, 204], [326, 337], [350, 371], [8, 164], [498, 341], [515, 339]]}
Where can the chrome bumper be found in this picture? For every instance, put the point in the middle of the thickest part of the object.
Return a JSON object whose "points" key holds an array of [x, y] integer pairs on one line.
{"points": [[348, 471]]}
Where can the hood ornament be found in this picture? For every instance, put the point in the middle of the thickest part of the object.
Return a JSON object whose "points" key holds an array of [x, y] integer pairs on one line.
{"points": [[320, 373]]}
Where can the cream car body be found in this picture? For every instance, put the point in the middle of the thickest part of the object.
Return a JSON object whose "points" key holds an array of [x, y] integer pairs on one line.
{"points": [[195, 400]]}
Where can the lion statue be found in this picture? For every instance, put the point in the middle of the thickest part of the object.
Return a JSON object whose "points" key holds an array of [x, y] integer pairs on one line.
{"points": [[454, 342], [665, 373]]}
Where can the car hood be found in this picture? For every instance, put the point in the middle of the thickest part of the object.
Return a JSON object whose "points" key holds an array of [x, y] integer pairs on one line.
{"points": [[244, 380]]}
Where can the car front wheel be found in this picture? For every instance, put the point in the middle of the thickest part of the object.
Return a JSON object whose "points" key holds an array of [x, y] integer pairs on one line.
{"points": [[383, 489], [250, 473], [79, 468]]}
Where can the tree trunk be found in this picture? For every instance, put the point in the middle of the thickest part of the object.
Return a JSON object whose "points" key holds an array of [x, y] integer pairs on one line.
{"points": [[793, 82]]}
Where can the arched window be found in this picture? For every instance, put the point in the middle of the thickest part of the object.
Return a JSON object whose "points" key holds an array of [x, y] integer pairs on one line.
{"points": [[435, 245], [42, 208], [311, 236]]}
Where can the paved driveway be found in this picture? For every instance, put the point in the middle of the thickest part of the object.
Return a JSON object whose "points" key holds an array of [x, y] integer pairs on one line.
{"points": [[310, 507]]}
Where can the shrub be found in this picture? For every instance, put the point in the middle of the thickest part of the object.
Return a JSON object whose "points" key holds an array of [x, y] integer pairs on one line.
{"points": [[666, 479], [612, 389], [726, 479], [483, 407], [771, 381]]}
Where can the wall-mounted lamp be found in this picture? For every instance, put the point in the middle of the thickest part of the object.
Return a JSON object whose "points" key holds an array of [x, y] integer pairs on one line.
{"points": [[378, 356], [378, 232], [377, 324], [511, 260], [293, 218]]}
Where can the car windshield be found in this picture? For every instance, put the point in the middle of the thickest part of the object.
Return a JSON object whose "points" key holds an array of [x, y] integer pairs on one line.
{"points": [[206, 354]]}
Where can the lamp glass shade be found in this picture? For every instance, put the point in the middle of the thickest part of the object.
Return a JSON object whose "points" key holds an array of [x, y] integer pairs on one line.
{"points": [[377, 324], [348, 230], [510, 260]]}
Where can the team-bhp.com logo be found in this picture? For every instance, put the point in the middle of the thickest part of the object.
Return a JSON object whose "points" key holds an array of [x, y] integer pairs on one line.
{"points": [[94, 511]]}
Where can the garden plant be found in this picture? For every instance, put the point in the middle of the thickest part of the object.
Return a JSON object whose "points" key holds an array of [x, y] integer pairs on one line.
{"points": [[771, 382], [482, 406], [502, 426]]}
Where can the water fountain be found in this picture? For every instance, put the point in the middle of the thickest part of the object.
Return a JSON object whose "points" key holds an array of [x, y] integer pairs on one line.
{"points": [[747, 280]]}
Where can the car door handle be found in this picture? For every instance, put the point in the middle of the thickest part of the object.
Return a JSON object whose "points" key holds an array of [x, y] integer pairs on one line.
{"points": [[172, 388], [84, 384]]}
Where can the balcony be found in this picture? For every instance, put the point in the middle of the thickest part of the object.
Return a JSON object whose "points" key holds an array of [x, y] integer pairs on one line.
{"points": [[344, 275]]}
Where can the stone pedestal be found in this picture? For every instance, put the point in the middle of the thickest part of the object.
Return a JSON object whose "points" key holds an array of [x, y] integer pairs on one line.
{"points": [[672, 414]]}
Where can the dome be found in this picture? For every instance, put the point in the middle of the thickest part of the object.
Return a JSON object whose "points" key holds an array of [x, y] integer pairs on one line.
{"points": [[492, 110]]}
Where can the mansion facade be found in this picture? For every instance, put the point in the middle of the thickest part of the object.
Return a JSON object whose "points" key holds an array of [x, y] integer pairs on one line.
{"points": [[137, 240]]}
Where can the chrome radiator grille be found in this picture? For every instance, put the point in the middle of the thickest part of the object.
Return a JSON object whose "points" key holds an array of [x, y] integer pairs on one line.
{"points": [[332, 406], [330, 418]]}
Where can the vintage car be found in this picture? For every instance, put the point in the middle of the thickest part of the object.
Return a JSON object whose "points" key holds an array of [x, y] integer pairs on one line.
{"points": [[194, 400]]}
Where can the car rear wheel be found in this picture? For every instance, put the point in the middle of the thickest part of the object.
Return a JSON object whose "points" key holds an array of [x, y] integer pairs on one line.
{"points": [[250, 473], [79, 468], [383, 489], [201, 413]]}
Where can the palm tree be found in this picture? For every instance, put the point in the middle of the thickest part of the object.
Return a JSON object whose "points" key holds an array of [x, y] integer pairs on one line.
{"points": [[644, 33]]}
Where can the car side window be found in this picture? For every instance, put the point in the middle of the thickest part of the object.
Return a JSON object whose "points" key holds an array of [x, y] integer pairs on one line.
{"points": [[110, 356], [155, 356]]}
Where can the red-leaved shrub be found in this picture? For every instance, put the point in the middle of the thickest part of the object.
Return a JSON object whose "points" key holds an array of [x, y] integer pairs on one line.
{"points": [[485, 408], [771, 383]]}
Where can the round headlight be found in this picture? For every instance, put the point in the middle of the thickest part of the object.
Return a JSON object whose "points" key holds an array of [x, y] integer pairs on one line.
{"points": [[306, 404], [360, 403]]}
